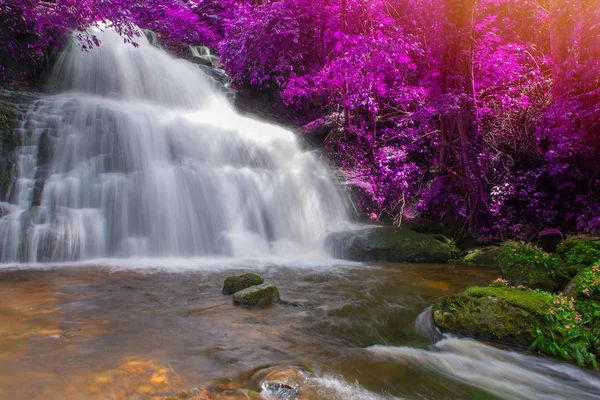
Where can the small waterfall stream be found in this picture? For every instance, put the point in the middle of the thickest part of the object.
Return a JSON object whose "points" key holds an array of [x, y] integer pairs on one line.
{"points": [[142, 156]]}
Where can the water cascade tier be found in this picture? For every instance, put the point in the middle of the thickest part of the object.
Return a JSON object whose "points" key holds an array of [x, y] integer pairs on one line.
{"points": [[142, 156]]}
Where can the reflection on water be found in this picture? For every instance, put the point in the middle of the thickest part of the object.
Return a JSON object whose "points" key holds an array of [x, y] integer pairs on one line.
{"points": [[104, 333]]}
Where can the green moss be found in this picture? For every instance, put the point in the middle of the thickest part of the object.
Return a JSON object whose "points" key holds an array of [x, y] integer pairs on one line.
{"points": [[8, 140], [494, 313], [525, 264], [234, 284], [485, 256], [257, 295], [536, 302], [404, 245], [580, 250]]}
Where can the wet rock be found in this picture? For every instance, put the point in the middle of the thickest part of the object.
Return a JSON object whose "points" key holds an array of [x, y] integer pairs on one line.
{"points": [[485, 257], [549, 239], [388, 244], [202, 55], [152, 38], [280, 382], [499, 314], [319, 129], [423, 226], [9, 141], [234, 284], [257, 295]]}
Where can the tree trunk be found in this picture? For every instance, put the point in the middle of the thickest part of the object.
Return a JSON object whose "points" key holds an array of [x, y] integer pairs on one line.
{"points": [[460, 129], [560, 31]]}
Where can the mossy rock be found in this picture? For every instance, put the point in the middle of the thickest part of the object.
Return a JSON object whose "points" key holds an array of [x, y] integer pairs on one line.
{"points": [[535, 278], [499, 314], [485, 257], [234, 284], [526, 264], [585, 285], [257, 295], [580, 250], [388, 244]]}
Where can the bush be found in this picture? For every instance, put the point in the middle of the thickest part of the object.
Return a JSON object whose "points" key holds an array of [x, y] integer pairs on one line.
{"points": [[572, 331], [580, 250], [528, 265]]}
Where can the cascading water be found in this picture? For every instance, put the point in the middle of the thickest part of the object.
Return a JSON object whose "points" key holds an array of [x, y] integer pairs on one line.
{"points": [[142, 156]]}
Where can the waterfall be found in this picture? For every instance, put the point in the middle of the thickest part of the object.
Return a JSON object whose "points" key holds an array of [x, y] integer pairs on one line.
{"points": [[142, 156]]}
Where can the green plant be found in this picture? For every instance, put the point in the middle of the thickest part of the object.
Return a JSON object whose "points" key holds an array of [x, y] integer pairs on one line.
{"points": [[499, 283], [588, 281], [455, 252], [568, 334], [518, 254], [580, 250]]}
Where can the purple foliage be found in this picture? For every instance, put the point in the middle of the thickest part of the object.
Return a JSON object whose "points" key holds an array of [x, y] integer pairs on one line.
{"points": [[380, 65]]}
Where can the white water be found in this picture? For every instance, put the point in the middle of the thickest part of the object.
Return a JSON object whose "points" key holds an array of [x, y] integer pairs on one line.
{"points": [[506, 374], [143, 157]]}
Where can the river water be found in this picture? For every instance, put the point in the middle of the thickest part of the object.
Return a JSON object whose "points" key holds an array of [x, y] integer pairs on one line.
{"points": [[347, 332]]}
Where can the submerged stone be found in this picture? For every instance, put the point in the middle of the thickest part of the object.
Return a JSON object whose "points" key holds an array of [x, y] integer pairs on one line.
{"points": [[234, 284], [257, 295], [388, 244], [499, 314]]}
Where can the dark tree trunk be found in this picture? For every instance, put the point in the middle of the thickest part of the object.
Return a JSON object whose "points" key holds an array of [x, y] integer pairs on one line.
{"points": [[461, 141]]}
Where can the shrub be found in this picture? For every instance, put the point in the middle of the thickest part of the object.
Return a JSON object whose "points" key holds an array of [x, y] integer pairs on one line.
{"points": [[580, 250]]}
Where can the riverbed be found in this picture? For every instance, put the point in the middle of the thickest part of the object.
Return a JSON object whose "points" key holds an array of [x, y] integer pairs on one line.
{"points": [[344, 331]]}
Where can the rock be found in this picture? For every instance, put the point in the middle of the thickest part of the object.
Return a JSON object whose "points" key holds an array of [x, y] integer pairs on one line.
{"points": [[388, 244], [280, 382], [499, 314], [550, 239], [234, 284], [535, 277], [202, 55], [257, 295], [9, 141], [442, 238], [152, 38], [585, 285], [485, 257], [320, 128], [423, 226]]}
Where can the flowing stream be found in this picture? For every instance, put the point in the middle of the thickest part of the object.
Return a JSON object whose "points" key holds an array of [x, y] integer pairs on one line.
{"points": [[140, 189]]}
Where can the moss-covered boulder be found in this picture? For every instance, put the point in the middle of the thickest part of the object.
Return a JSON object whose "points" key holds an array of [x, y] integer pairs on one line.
{"points": [[585, 285], [236, 283], [257, 295], [580, 250], [526, 264], [485, 257], [500, 314], [388, 244]]}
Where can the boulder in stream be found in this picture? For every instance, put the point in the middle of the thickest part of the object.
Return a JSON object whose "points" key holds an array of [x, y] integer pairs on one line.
{"points": [[388, 244], [501, 314], [234, 284], [257, 295]]}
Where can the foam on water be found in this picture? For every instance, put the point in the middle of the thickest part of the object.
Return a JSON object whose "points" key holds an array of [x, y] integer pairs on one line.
{"points": [[506, 374], [141, 156]]}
